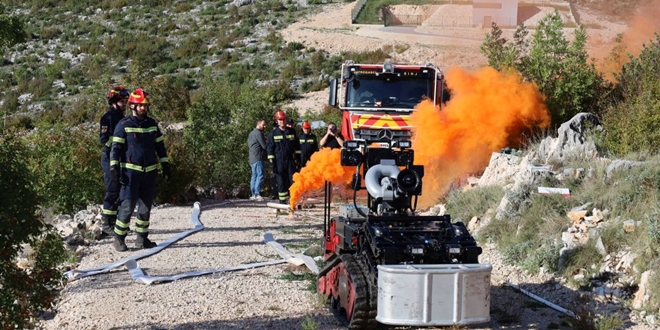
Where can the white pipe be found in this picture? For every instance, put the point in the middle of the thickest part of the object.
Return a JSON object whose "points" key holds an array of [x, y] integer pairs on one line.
{"points": [[537, 298], [197, 226], [139, 276], [278, 206]]}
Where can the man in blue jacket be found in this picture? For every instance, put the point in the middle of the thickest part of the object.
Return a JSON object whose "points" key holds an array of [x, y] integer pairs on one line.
{"points": [[137, 153]]}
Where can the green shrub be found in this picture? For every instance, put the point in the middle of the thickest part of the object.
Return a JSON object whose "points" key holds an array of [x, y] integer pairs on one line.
{"points": [[65, 162], [561, 68], [50, 32], [546, 256], [183, 7], [147, 54], [94, 67], [374, 56], [631, 120], [582, 258], [10, 102], [57, 68], [41, 87], [24, 292], [49, 116], [221, 116], [170, 99], [190, 47], [20, 123], [295, 68], [184, 170], [309, 323], [474, 202]]}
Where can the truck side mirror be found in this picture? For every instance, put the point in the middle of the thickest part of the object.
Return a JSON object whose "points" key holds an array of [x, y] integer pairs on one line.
{"points": [[333, 93]]}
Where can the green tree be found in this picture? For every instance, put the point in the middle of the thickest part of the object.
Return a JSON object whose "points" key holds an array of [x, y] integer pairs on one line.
{"points": [[502, 55], [62, 159], [12, 31], [632, 122], [561, 69], [24, 291], [220, 118]]}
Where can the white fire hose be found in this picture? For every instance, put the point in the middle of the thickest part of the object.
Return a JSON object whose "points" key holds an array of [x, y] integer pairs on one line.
{"points": [[139, 276]]}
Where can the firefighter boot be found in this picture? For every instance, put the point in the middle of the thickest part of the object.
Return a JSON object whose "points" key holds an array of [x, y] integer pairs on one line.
{"points": [[119, 243], [107, 226], [142, 242]]}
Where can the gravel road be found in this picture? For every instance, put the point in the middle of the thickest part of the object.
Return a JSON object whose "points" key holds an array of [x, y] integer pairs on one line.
{"points": [[271, 297]]}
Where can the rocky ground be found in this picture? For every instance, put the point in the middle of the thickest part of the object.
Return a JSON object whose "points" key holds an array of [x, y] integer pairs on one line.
{"points": [[270, 297]]}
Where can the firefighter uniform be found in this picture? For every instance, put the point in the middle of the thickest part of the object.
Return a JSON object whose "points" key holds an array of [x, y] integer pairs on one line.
{"points": [[138, 152], [283, 151], [107, 124], [308, 146]]}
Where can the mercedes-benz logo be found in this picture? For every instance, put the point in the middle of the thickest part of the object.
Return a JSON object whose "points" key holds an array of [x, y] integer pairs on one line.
{"points": [[385, 135]]}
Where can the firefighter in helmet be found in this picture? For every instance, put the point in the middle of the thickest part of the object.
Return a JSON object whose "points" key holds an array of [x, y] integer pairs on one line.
{"points": [[309, 144], [137, 153], [117, 98], [283, 152]]}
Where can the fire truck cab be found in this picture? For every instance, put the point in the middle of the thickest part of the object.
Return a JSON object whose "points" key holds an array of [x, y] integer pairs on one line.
{"points": [[376, 100]]}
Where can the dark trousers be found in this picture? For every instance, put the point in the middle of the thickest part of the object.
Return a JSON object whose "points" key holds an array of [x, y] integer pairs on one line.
{"points": [[111, 198], [284, 177], [139, 189]]}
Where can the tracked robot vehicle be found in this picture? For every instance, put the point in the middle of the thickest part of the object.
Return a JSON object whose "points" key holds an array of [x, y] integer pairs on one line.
{"points": [[386, 264]]}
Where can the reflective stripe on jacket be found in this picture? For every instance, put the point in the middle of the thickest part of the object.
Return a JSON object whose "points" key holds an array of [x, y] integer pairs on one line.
{"points": [[138, 145], [107, 127], [282, 144]]}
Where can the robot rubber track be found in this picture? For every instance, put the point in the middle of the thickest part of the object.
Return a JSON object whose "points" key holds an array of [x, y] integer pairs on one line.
{"points": [[348, 292]]}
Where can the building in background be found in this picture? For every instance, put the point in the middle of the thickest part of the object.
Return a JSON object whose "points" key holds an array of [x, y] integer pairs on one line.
{"points": [[502, 12]]}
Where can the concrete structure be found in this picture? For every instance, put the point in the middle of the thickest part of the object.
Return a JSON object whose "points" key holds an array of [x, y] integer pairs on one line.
{"points": [[502, 12]]}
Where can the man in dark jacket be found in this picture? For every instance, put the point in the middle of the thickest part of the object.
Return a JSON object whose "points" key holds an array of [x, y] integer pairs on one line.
{"points": [[283, 151], [332, 138], [117, 98], [308, 143], [257, 155], [137, 153]]}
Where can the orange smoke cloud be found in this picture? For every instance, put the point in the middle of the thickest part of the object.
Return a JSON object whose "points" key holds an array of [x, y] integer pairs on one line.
{"points": [[324, 165], [488, 110], [641, 29]]}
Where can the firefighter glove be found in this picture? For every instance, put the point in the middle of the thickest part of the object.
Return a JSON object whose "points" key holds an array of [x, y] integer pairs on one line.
{"points": [[114, 174], [166, 170]]}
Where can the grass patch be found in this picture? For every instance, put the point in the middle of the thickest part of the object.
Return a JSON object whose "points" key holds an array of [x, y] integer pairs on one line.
{"points": [[297, 245], [306, 276], [474, 202], [309, 323]]}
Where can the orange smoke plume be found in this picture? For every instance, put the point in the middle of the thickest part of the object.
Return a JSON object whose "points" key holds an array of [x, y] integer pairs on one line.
{"points": [[641, 30], [488, 110], [324, 165]]}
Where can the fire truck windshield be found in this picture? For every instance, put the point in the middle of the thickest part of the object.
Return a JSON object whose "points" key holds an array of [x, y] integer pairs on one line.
{"points": [[387, 91]]}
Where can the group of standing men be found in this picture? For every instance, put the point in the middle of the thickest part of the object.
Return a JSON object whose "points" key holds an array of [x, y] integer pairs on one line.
{"points": [[133, 152], [285, 152]]}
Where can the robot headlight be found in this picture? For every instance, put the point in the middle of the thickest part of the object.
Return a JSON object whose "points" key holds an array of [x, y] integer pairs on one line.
{"points": [[351, 157], [408, 181], [453, 249]]}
